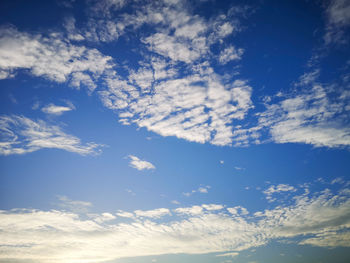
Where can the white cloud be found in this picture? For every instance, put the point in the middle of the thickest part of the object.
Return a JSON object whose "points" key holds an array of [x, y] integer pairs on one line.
{"points": [[330, 239], [277, 189], [22, 135], [321, 219], [338, 16], [139, 164], [51, 57], [212, 207], [229, 54], [73, 205], [176, 49], [125, 214], [313, 116], [156, 213], [197, 108], [104, 217], [201, 189], [194, 210], [55, 109], [73, 33], [237, 210], [230, 254], [338, 180]]}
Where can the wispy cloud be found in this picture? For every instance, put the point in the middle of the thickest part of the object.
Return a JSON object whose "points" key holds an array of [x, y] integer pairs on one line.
{"points": [[56, 110], [230, 254], [201, 189], [139, 164], [338, 19], [22, 135], [73, 205]]}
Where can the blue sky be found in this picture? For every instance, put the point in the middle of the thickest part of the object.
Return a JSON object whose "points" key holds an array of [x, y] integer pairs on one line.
{"points": [[174, 131]]}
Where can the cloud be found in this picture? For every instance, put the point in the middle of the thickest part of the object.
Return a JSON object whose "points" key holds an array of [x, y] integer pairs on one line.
{"points": [[22, 135], [175, 49], [55, 109], [125, 214], [277, 189], [201, 189], [197, 105], [156, 213], [338, 19], [230, 54], [212, 207], [237, 210], [230, 254], [73, 205], [197, 108], [104, 217], [315, 116], [194, 210], [139, 164], [318, 219], [50, 57]]}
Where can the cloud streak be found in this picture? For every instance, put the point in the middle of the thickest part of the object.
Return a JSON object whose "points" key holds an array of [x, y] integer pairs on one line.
{"points": [[22, 135], [55, 109]]}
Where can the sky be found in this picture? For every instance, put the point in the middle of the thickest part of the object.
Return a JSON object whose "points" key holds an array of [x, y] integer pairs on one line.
{"points": [[174, 131]]}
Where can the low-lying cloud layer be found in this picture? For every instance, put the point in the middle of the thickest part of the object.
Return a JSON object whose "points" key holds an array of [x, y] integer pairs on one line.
{"points": [[319, 219]]}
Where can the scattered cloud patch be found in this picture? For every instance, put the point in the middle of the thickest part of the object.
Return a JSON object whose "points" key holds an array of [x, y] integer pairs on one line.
{"points": [[201, 189], [175, 202], [139, 164], [55, 109], [156, 213], [277, 189], [230, 54]]}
